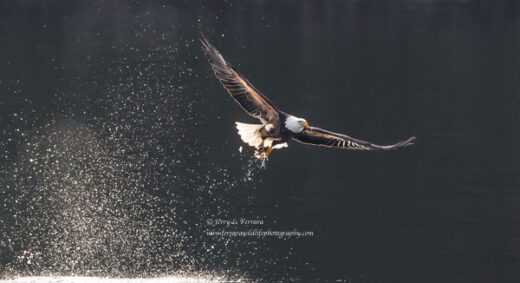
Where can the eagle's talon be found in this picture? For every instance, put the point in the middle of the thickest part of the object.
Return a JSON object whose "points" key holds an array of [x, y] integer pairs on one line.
{"points": [[261, 154]]}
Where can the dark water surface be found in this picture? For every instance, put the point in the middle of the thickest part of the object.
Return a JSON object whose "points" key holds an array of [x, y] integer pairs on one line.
{"points": [[119, 153]]}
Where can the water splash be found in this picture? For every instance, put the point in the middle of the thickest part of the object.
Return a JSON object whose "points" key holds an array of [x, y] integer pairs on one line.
{"points": [[117, 184]]}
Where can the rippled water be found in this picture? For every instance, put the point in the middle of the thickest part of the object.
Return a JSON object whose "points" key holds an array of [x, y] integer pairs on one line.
{"points": [[119, 158], [102, 174], [108, 280]]}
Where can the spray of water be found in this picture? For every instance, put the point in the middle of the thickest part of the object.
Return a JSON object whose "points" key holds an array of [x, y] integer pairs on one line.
{"points": [[117, 184]]}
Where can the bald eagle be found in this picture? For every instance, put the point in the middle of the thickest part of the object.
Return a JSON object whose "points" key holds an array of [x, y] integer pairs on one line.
{"points": [[277, 127]]}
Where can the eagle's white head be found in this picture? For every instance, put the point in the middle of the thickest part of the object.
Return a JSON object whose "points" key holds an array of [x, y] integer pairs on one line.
{"points": [[295, 124]]}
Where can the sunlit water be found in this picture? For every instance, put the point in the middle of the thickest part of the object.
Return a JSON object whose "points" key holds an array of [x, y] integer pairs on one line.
{"points": [[171, 279], [117, 144], [112, 182]]}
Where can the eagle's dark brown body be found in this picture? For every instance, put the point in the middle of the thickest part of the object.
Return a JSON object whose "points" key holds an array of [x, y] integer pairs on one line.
{"points": [[276, 131]]}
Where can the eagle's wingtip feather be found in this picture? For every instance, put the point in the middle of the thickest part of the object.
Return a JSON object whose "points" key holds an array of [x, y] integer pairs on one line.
{"points": [[408, 142], [395, 146], [205, 43]]}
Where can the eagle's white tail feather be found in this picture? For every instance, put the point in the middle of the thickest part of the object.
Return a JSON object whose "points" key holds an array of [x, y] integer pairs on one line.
{"points": [[249, 133]]}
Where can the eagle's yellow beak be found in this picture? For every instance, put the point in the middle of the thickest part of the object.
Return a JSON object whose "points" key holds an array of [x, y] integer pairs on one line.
{"points": [[304, 124]]}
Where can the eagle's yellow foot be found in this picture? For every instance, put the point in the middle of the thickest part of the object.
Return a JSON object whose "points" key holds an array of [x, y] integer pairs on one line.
{"points": [[264, 152], [268, 151], [261, 146], [259, 154]]}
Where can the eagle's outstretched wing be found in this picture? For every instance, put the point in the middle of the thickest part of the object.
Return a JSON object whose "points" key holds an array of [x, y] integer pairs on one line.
{"points": [[251, 100], [321, 137]]}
